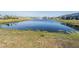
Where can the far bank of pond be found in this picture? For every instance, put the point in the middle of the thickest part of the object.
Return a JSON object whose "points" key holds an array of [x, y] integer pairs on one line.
{"points": [[3, 21], [71, 23]]}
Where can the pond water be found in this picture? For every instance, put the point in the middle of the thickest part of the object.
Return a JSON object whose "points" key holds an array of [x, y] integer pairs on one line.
{"points": [[39, 24]]}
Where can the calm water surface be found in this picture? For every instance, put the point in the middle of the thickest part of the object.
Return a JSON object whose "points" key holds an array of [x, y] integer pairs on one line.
{"points": [[39, 24]]}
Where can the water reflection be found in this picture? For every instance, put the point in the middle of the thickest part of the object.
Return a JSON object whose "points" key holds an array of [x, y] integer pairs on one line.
{"points": [[10, 24]]}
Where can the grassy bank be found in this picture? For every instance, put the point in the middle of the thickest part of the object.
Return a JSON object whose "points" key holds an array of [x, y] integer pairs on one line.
{"points": [[32, 39], [72, 22], [12, 20]]}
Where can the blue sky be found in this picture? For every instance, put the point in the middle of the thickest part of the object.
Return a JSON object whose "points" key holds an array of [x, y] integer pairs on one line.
{"points": [[36, 13]]}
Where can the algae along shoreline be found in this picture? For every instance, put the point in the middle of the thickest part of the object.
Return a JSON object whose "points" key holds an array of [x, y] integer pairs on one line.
{"points": [[37, 39]]}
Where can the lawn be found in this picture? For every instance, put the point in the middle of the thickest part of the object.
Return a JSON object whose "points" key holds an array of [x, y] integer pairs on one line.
{"points": [[37, 39]]}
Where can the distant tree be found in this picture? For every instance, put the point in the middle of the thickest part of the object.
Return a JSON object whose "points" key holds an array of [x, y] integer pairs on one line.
{"points": [[10, 17]]}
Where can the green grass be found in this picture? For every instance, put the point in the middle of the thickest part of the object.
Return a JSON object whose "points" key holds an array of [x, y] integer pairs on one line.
{"points": [[37, 39], [12, 20], [72, 22]]}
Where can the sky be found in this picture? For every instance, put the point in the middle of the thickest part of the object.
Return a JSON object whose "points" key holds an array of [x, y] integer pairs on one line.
{"points": [[36, 13]]}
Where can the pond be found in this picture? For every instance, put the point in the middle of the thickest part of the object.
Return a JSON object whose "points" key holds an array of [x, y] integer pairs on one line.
{"points": [[39, 24]]}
